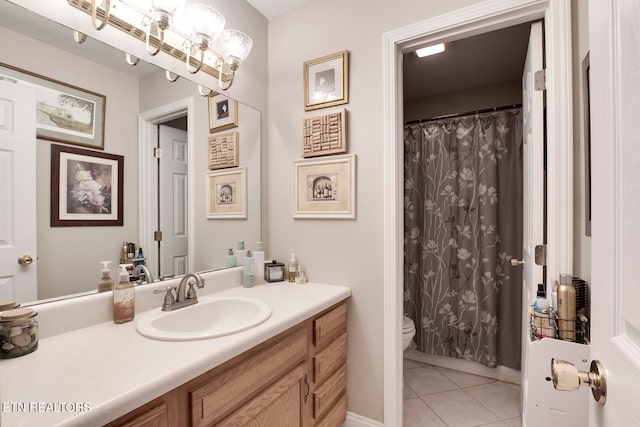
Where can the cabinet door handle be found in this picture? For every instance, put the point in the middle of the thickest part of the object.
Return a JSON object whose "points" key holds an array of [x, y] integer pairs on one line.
{"points": [[306, 393]]}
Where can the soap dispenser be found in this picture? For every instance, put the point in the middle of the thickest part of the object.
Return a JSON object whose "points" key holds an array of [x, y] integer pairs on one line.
{"points": [[248, 270], [293, 266], [106, 282], [124, 297]]}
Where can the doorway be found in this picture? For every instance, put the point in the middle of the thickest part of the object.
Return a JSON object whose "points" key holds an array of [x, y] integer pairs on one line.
{"points": [[178, 114], [467, 22]]}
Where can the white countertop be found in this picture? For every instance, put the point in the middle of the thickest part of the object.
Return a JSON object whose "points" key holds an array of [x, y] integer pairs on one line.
{"points": [[95, 374]]}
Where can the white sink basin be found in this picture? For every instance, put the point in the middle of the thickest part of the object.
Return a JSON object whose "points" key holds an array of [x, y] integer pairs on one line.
{"points": [[210, 317]]}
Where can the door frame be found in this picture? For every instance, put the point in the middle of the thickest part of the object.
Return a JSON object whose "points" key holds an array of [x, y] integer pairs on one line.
{"points": [[147, 173], [466, 22]]}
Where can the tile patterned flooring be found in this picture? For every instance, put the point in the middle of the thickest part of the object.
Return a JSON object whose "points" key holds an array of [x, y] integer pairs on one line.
{"points": [[441, 397]]}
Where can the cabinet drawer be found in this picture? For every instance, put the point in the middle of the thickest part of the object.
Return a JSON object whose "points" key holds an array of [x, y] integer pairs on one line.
{"points": [[327, 394], [336, 416], [330, 359], [330, 324], [230, 389]]}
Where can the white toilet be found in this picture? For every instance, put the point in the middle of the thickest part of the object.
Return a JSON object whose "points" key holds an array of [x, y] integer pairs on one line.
{"points": [[408, 332]]}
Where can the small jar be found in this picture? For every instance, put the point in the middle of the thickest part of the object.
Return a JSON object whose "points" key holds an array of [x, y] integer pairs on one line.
{"points": [[274, 271], [18, 332]]}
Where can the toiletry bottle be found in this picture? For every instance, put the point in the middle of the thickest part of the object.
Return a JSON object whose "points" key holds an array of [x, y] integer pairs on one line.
{"points": [[542, 327], [258, 259], [240, 251], [248, 268], [566, 308], [139, 258], [124, 297], [230, 259], [106, 283], [300, 278], [293, 264]]}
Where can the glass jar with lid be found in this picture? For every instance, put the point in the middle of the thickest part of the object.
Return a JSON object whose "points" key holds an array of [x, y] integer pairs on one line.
{"points": [[18, 332]]}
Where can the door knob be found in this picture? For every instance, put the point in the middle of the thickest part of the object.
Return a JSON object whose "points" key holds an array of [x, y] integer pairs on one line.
{"points": [[517, 262], [25, 260], [566, 377]]}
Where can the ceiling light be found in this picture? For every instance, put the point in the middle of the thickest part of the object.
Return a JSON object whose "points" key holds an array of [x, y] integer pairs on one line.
{"points": [[188, 36], [430, 50]]}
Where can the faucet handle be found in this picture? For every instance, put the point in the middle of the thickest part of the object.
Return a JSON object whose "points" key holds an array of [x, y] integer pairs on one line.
{"points": [[169, 299]]}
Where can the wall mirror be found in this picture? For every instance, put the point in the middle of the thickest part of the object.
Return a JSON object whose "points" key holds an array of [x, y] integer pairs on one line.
{"points": [[68, 259]]}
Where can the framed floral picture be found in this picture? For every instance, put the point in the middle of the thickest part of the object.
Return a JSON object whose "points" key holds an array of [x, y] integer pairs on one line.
{"points": [[227, 194], [325, 187], [326, 81], [223, 113], [64, 112], [86, 187]]}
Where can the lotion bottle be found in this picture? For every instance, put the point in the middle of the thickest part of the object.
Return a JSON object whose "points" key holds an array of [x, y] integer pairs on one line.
{"points": [[248, 270], [106, 282], [258, 260], [124, 297], [567, 308], [230, 260]]}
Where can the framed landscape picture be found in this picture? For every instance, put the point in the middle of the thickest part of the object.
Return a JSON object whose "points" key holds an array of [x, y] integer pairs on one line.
{"points": [[64, 112]]}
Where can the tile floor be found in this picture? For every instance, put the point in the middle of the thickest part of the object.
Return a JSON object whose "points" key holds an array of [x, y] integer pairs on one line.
{"points": [[441, 397]]}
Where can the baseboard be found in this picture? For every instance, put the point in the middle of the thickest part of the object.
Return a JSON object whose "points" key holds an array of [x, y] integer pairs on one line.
{"points": [[355, 420]]}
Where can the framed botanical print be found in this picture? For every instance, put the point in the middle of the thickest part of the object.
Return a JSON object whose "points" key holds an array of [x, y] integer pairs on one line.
{"points": [[86, 187], [326, 81]]}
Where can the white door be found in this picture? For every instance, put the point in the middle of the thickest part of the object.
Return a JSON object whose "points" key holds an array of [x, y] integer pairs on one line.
{"points": [[615, 189], [533, 191], [173, 201], [17, 193]]}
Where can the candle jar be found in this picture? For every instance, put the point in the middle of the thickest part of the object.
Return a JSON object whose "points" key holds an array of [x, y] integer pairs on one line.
{"points": [[18, 332], [274, 271]]}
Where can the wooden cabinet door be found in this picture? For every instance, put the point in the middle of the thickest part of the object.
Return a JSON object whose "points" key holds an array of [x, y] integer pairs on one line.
{"points": [[280, 405]]}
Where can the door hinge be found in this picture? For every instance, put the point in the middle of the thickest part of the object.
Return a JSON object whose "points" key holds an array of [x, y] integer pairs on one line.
{"points": [[540, 80], [157, 236], [540, 255], [157, 152]]}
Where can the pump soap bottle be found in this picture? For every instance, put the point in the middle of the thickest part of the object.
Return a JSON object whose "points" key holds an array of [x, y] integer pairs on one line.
{"points": [[293, 266], [106, 282], [258, 260], [124, 297], [248, 272]]}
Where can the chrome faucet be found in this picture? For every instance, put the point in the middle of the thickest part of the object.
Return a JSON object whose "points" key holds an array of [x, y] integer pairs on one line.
{"points": [[142, 269], [183, 296]]}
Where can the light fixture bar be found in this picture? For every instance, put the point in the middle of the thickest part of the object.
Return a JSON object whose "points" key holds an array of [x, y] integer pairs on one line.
{"points": [[430, 50], [171, 47]]}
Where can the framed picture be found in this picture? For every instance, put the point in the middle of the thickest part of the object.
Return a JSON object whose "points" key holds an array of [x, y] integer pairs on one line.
{"points": [[223, 113], [224, 151], [323, 135], [86, 187], [227, 194], [326, 81], [325, 187], [64, 113]]}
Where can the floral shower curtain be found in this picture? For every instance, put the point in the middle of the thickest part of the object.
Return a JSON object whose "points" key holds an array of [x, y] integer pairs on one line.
{"points": [[462, 226]]}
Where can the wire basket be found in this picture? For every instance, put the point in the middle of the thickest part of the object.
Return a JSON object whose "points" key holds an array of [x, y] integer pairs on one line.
{"points": [[549, 325]]}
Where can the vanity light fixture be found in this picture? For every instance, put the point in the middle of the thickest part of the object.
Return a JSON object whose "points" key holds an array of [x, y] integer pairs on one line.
{"points": [[430, 50], [131, 59], [196, 36]]}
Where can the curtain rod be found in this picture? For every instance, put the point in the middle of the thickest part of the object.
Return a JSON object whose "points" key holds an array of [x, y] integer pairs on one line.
{"points": [[468, 113]]}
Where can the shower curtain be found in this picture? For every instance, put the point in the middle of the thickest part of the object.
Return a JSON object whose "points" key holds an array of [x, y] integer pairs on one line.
{"points": [[462, 226]]}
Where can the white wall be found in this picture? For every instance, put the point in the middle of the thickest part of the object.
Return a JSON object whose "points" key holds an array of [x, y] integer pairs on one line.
{"points": [[346, 252]]}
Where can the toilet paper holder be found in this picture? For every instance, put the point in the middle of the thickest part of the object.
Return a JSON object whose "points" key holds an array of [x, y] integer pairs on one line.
{"points": [[567, 377]]}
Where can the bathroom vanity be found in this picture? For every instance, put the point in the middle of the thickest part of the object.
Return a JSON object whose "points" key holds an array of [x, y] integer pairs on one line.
{"points": [[289, 370]]}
